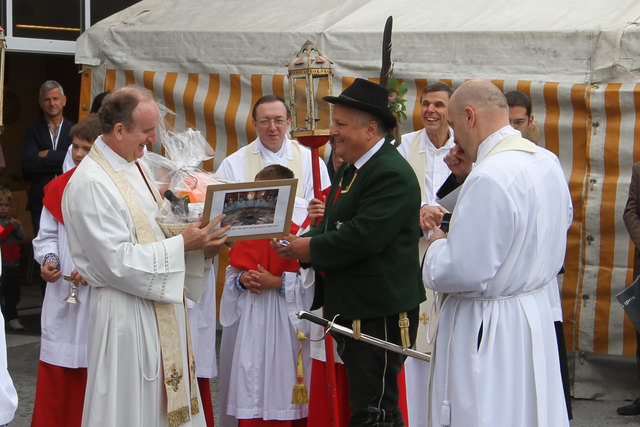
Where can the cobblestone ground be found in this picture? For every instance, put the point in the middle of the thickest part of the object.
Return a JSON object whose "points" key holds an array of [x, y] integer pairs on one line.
{"points": [[23, 349]]}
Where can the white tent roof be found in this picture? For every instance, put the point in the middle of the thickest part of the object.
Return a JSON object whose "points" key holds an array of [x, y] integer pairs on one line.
{"points": [[580, 41]]}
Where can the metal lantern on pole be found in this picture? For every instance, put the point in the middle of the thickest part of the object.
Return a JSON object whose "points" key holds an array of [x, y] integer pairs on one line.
{"points": [[310, 79]]}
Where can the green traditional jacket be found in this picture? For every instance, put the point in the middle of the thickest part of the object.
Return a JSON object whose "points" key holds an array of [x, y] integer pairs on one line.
{"points": [[367, 243]]}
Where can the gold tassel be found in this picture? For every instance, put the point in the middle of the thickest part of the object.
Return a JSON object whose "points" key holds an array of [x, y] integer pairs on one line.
{"points": [[403, 323], [355, 326], [300, 394]]}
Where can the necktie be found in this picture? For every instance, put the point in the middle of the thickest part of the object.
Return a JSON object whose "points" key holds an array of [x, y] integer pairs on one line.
{"points": [[348, 176]]}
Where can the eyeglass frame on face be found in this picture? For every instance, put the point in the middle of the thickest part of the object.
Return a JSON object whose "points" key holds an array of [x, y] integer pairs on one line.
{"points": [[519, 122], [265, 123]]}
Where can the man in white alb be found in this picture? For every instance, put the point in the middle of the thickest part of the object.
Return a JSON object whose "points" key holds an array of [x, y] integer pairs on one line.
{"points": [[496, 357], [141, 369]]}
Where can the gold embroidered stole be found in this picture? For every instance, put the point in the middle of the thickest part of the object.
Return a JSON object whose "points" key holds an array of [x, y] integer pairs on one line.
{"points": [[511, 143], [418, 162], [179, 409], [253, 164]]}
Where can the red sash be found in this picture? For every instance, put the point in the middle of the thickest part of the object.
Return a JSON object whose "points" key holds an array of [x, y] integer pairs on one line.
{"points": [[53, 191]]}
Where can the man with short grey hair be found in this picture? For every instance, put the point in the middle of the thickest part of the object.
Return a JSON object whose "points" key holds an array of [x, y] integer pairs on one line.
{"points": [[45, 145]]}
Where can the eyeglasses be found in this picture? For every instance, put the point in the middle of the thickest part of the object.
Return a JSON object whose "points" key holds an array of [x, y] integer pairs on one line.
{"points": [[265, 123], [518, 122]]}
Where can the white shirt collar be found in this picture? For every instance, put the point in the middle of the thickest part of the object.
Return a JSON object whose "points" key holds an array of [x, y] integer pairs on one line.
{"points": [[117, 162], [284, 151], [366, 156], [426, 140], [492, 140]]}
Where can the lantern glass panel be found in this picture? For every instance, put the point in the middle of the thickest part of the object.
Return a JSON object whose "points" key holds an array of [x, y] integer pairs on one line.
{"points": [[321, 107], [300, 102]]}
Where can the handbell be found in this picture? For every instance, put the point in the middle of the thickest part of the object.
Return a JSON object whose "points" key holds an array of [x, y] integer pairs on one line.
{"points": [[73, 292]]}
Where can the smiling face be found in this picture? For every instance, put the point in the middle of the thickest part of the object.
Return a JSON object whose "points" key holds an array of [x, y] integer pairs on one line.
{"points": [[271, 124], [52, 103], [130, 140], [434, 112], [353, 134]]}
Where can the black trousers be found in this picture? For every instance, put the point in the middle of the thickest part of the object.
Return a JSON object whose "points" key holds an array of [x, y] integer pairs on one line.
{"points": [[10, 291], [372, 372]]}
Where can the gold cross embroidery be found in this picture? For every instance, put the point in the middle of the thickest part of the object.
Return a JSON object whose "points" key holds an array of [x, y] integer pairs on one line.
{"points": [[424, 318], [175, 378]]}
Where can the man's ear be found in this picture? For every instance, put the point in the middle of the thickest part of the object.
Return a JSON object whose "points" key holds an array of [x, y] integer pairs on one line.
{"points": [[372, 127], [469, 116], [118, 130]]}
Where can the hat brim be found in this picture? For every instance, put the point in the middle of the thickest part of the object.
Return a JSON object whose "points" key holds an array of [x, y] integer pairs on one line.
{"points": [[387, 118]]}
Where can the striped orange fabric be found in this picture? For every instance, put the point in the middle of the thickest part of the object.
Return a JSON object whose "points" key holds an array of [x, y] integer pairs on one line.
{"points": [[210, 101], [416, 117], [147, 79], [109, 80], [129, 78], [596, 160], [85, 94], [256, 93], [607, 220], [188, 98], [574, 269], [230, 113], [167, 93]]}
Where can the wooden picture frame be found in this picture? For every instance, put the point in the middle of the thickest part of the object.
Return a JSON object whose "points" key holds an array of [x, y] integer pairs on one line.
{"points": [[256, 210]]}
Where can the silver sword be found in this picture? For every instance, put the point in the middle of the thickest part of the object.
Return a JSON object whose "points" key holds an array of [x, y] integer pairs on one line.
{"points": [[332, 326]]}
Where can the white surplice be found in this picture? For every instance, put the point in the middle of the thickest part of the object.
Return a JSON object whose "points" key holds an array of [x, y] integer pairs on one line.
{"points": [[63, 340], [435, 169], [434, 173], [496, 357], [125, 377], [265, 345], [202, 322], [263, 371]]}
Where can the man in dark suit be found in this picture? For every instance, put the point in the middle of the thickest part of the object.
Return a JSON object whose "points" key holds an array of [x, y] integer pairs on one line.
{"points": [[367, 245], [631, 218], [45, 145]]}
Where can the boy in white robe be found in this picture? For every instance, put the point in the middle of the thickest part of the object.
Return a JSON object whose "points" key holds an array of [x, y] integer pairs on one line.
{"points": [[261, 296], [62, 373]]}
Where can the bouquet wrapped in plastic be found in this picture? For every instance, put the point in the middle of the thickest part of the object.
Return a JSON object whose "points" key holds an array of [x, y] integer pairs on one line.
{"points": [[179, 177]]}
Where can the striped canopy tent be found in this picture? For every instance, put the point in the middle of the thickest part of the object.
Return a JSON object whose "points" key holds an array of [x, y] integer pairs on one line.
{"points": [[210, 60]]}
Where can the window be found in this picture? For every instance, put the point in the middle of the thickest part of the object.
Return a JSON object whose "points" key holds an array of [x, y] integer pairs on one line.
{"points": [[53, 26]]}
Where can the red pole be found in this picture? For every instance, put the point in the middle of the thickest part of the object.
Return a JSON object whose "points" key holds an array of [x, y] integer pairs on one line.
{"points": [[314, 142], [332, 387]]}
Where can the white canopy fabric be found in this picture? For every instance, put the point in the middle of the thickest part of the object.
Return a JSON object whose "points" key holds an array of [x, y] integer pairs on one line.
{"points": [[571, 41], [579, 61]]}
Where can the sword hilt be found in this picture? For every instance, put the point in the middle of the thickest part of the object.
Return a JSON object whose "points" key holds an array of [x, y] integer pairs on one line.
{"points": [[305, 315]]}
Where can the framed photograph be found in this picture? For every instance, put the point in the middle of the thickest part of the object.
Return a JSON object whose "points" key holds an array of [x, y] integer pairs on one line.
{"points": [[255, 210]]}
